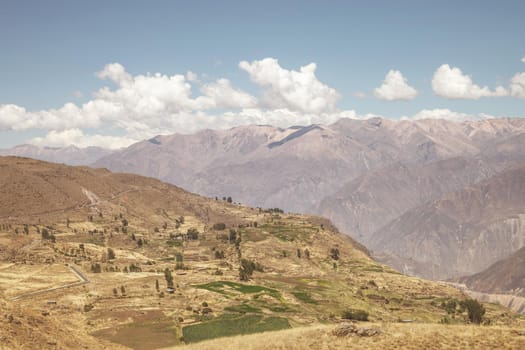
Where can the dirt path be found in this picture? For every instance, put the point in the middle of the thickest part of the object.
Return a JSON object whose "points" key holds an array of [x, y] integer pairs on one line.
{"points": [[82, 280]]}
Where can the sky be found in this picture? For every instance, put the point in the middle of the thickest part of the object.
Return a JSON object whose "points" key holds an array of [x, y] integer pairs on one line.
{"points": [[110, 73]]}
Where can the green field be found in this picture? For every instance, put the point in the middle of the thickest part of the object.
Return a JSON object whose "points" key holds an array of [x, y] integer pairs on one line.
{"points": [[227, 288], [229, 325]]}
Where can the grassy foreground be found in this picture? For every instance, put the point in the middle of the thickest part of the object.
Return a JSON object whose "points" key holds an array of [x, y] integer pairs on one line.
{"points": [[394, 336]]}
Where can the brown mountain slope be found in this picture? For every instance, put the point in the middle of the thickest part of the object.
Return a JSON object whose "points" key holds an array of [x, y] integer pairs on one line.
{"points": [[370, 201], [96, 251], [462, 233], [35, 191], [296, 168], [506, 276]]}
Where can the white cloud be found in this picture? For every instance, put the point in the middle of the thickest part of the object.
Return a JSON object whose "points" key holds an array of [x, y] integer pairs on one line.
{"points": [[77, 138], [450, 82], [517, 85], [395, 87], [190, 76], [116, 73], [294, 90], [224, 95], [523, 59], [141, 106], [13, 117], [359, 94], [443, 113]]}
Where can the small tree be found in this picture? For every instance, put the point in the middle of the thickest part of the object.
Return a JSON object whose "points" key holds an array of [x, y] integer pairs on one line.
{"points": [[246, 269], [122, 290], [140, 242], [168, 277], [157, 287], [179, 261], [334, 253], [219, 226], [233, 236], [111, 254], [475, 310], [298, 253], [193, 233], [115, 291], [307, 253]]}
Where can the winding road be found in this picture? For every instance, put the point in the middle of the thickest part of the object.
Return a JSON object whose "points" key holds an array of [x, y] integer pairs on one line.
{"points": [[82, 280]]}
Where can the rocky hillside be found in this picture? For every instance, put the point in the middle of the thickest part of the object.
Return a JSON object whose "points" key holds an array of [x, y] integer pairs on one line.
{"points": [[296, 168], [506, 276], [462, 233], [369, 202], [124, 259]]}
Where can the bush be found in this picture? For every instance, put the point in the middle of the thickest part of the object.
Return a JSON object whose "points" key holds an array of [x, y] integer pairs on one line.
{"points": [[355, 314], [111, 254], [475, 310], [219, 226]]}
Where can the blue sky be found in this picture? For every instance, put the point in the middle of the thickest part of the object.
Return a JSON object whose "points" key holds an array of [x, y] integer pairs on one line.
{"points": [[51, 51]]}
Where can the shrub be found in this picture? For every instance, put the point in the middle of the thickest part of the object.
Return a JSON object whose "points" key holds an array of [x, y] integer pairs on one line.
{"points": [[475, 310], [355, 314], [219, 226], [111, 254]]}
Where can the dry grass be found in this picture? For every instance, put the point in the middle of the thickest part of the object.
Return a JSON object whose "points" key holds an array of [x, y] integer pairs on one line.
{"points": [[395, 336]]}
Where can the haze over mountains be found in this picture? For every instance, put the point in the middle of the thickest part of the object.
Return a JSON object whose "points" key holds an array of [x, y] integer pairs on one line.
{"points": [[70, 155], [381, 181]]}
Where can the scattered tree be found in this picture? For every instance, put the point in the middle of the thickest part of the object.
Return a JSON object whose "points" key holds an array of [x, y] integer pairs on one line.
{"points": [[192, 233], [307, 253], [111, 254], [169, 278], [475, 310], [334, 253], [219, 226]]}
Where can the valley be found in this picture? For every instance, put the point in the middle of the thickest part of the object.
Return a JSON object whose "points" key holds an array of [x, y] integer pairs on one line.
{"points": [[166, 267]]}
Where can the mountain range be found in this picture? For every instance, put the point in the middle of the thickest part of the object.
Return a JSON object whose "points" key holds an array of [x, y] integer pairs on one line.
{"points": [[407, 189], [101, 260]]}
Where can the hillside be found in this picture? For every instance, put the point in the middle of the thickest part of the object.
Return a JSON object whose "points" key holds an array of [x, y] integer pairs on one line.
{"points": [[461, 233], [506, 276], [371, 201], [96, 258], [296, 168]]}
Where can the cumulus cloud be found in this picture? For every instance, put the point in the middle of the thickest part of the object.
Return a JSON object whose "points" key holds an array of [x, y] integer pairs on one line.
{"points": [[13, 117], [517, 85], [294, 90], [450, 82], [141, 106], [223, 95], [77, 138], [523, 59], [395, 87]]}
